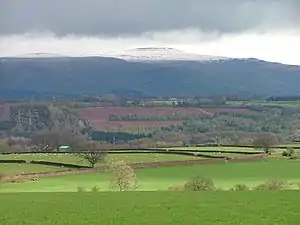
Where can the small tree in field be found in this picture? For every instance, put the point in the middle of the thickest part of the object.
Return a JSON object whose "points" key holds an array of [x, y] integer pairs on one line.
{"points": [[93, 157], [266, 142], [93, 154], [123, 177]]}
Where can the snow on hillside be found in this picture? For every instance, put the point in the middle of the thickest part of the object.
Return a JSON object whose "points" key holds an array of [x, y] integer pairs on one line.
{"points": [[152, 54], [159, 54]]}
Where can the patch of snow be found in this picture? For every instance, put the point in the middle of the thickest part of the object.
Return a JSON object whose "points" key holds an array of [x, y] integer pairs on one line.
{"points": [[162, 54]]}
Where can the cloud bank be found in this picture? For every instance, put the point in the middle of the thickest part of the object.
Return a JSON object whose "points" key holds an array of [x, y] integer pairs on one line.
{"points": [[135, 17]]}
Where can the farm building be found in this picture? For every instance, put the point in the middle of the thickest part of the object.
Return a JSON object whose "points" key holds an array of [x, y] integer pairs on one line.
{"points": [[65, 148]]}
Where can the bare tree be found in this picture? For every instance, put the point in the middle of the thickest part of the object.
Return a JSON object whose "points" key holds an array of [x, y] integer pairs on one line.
{"points": [[123, 177], [93, 153], [266, 142]]}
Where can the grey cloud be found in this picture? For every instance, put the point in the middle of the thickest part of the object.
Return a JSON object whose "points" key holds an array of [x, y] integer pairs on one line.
{"points": [[132, 17]]}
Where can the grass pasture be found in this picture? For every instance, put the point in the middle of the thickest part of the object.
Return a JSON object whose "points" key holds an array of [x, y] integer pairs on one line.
{"points": [[224, 175], [14, 168], [149, 208]]}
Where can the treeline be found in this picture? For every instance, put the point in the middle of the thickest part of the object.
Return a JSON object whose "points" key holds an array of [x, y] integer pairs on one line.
{"points": [[117, 136]]}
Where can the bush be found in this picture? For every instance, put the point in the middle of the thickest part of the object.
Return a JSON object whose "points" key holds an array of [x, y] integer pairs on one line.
{"points": [[199, 184], [80, 189], [285, 154], [271, 185], [275, 185], [95, 189], [241, 187]]}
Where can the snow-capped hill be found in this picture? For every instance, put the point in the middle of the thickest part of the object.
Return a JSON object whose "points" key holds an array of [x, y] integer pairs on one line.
{"points": [[159, 54]]}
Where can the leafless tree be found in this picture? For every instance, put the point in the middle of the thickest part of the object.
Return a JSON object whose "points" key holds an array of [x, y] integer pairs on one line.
{"points": [[266, 142], [93, 153]]}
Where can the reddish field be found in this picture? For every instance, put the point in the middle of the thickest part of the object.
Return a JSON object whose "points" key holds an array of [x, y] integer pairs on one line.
{"points": [[99, 116], [103, 113]]}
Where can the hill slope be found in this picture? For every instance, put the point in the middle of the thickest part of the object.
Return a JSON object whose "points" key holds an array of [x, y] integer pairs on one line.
{"points": [[161, 76], [27, 118]]}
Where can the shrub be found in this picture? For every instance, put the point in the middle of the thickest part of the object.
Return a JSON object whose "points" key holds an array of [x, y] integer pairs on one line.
{"points": [[80, 189], [275, 185], [241, 187], [95, 189], [199, 184], [285, 154], [271, 185]]}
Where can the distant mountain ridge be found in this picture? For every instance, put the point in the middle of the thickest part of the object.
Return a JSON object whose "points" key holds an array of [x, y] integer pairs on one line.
{"points": [[162, 54], [150, 71]]}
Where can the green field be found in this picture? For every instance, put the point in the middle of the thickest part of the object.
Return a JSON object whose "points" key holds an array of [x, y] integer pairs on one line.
{"points": [[225, 175], [73, 159], [12, 168], [152, 208]]}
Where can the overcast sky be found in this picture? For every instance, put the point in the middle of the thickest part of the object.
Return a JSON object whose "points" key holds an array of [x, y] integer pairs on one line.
{"points": [[267, 29]]}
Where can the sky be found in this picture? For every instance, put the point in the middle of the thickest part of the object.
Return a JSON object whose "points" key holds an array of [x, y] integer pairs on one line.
{"points": [[265, 29]]}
